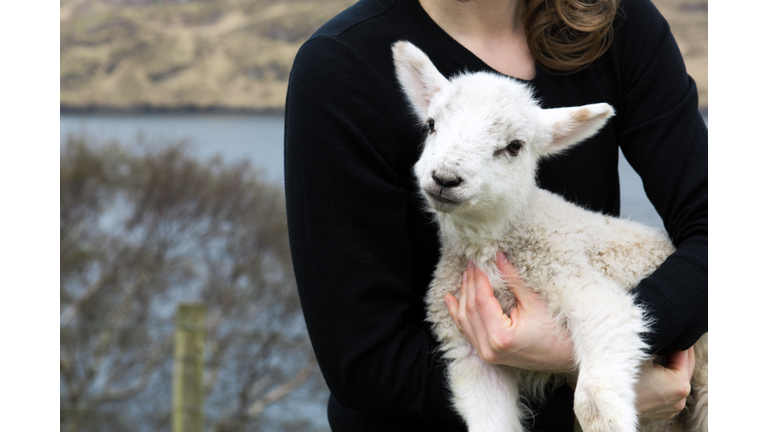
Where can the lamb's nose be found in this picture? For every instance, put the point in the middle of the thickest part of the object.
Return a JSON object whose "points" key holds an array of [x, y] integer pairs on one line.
{"points": [[446, 182]]}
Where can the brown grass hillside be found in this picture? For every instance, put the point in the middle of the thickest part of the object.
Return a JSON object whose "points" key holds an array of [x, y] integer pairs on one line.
{"points": [[229, 54], [234, 54]]}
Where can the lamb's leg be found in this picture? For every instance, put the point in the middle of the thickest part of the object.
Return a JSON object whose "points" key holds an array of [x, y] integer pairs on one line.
{"points": [[605, 326], [485, 395]]}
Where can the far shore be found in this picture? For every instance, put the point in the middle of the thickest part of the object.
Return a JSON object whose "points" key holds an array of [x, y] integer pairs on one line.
{"points": [[190, 109]]}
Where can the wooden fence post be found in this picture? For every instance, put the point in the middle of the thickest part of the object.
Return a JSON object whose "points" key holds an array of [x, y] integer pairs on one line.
{"points": [[188, 358]]}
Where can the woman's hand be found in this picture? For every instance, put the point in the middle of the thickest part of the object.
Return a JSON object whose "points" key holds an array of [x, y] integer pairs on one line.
{"points": [[528, 338], [661, 391]]}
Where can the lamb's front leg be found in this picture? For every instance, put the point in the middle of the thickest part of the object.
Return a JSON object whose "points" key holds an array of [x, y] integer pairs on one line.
{"points": [[486, 395], [605, 326]]}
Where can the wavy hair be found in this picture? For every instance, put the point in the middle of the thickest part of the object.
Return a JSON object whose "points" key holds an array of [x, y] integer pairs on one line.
{"points": [[568, 35]]}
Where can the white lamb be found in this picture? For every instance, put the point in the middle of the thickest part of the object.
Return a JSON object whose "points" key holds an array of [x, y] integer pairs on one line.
{"points": [[477, 172]]}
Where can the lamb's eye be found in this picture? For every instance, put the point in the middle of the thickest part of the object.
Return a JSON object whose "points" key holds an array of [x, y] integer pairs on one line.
{"points": [[514, 147], [431, 124]]}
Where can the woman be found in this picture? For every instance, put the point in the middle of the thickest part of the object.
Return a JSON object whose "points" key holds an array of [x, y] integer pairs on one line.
{"points": [[364, 250]]}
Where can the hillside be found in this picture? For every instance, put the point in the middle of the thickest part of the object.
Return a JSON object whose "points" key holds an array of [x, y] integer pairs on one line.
{"points": [[129, 55], [233, 54]]}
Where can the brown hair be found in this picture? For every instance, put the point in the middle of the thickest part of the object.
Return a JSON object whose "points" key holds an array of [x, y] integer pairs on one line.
{"points": [[568, 35]]}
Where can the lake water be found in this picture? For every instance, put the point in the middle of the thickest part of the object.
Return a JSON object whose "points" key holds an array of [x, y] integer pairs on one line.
{"points": [[260, 140], [234, 137]]}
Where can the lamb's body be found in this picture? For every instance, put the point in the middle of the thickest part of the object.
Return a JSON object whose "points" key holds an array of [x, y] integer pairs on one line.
{"points": [[477, 172], [581, 264], [555, 245]]}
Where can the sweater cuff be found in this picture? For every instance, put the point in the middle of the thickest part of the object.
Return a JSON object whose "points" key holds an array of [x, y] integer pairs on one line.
{"points": [[675, 299]]}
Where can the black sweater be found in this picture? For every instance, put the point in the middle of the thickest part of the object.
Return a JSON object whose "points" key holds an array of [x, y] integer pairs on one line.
{"points": [[364, 251]]}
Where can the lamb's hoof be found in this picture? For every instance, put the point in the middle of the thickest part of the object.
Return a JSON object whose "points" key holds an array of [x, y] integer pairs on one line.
{"points": [[601, 410]]}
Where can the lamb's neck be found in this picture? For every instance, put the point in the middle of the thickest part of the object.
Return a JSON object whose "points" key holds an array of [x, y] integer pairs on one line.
{"points": [[479, 238]]}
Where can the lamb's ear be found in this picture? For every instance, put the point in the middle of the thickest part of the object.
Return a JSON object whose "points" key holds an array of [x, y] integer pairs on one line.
{"points": [[418, 77], [568, 126]]}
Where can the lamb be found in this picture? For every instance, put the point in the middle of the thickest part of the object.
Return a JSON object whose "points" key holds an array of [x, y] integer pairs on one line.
{"points": [[477, 173]]}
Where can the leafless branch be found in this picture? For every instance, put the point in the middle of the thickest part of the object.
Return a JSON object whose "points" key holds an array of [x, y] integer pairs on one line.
{"points": [[140, 384], [280, 392], [71, 311]]}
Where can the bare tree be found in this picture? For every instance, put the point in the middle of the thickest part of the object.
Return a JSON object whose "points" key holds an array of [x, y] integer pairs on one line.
{"points": [[141, 232]]}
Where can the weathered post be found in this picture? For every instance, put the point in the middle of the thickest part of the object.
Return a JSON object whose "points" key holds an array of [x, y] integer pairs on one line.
{"points": [[188, 398]]}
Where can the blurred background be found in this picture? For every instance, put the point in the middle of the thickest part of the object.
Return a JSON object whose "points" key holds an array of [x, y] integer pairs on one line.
{"points": [[177, 299]]}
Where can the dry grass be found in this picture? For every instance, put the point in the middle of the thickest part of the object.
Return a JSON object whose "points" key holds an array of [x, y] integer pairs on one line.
{"points": [[230, 54], [233, 54]]}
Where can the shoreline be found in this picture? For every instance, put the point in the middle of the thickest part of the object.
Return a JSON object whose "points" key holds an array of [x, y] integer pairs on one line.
{"points": [[184, 109]]}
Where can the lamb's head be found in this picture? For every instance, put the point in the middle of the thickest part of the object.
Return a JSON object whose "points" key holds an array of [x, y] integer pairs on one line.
{"points": [[486, 135]]}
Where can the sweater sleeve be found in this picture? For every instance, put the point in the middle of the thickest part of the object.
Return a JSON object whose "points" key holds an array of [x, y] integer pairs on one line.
{"points": [[665, 140], [349, 241]]}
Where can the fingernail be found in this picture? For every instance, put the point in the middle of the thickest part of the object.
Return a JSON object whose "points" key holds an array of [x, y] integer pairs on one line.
{"points": [[463, 277], [470, 264], [501, 256], [445, 299]]}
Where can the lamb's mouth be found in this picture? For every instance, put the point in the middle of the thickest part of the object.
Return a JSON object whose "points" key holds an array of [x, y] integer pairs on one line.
{"points": [[442, 202]]}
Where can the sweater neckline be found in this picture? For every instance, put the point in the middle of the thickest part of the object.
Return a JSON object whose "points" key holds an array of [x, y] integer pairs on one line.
{"points": [[450, 45]]}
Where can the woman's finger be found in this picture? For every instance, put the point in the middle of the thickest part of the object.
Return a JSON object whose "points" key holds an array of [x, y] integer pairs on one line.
{"points": [[682, 362], [479, 332], [512, 278], [453, 309], [489, 312], [464, 315]]}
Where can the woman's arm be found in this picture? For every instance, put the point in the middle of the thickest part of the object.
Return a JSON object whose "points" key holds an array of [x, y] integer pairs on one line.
{"points": [[664, 138], [348, 225]]}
